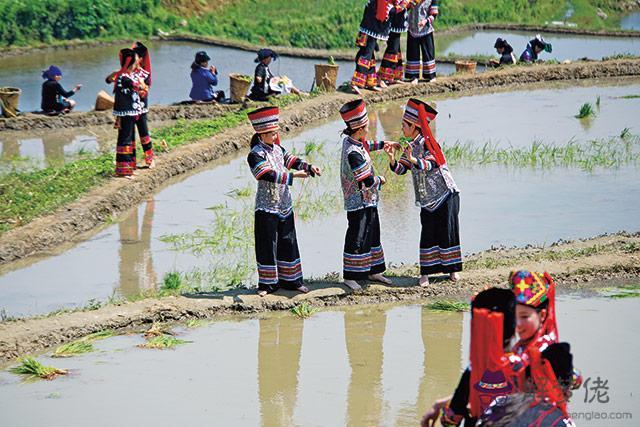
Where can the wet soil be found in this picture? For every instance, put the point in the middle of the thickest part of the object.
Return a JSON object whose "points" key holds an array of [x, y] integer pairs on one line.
{"points": [[116, 195], [578, 265]]}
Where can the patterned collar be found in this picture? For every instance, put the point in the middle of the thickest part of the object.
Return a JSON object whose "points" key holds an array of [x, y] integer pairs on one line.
{"points": [[265, 145], [353, 141]]}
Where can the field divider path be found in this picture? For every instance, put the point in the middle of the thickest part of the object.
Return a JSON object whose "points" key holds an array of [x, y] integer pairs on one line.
{"points": [[101, 204], [578, 266]]}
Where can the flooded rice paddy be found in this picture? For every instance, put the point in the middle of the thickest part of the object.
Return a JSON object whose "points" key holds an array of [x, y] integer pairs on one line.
{"points": [[565, 46], [171, 62], [200, 224], [377, 365]]}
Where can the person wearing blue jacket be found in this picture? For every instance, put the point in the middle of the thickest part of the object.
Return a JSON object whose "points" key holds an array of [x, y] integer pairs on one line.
{"points": [[204, 77]]}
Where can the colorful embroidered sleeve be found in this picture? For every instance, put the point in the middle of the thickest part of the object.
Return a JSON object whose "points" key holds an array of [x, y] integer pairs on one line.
{"points": [[400, 167], [293, 162], [375, 145], [362, 172], [427, 162], [261, 170]]}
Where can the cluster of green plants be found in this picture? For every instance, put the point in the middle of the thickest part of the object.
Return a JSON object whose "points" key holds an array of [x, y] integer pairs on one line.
{"points": [[303, 310], [446, 305], [615, 152], [31, 369]]}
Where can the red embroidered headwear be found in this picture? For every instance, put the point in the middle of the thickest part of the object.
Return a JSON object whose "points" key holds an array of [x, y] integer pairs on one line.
{"points": [[354, 114], [420, 114], [534, 289], [492, 325], [265, 119]]}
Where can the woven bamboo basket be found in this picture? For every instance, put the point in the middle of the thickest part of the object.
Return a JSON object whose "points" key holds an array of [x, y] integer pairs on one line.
{"points": [[326, 77], [239, 86], [9, 98], [466, 67], [104, 101]]}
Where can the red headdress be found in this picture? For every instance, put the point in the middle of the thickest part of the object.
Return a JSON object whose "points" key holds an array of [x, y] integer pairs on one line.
{"points": [[533, 289], [265, 120], [420, 114], [492, 324], [142, 51], [127, 56]]}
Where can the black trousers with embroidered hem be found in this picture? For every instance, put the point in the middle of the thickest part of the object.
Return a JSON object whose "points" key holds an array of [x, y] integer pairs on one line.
{"points": [[145, 138], [125, 147], [365, 74], [277, 253], [420, 48], [440, 238], [363, 254], [391, 67]]}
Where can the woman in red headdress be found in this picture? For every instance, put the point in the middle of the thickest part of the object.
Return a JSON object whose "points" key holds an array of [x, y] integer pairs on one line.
{"points": [[436, 193], [128, 107]]}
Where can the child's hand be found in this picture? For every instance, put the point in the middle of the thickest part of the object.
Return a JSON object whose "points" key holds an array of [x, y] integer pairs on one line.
{"points": [[316, 170], [390, 152], [383, 180], [300, 174]]}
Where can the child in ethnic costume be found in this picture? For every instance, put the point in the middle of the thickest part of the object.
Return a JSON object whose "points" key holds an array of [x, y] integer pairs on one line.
{"points": [[142, 73], [375, 25], [420, 41], [524, 371], [276, 243], [128, 107], [363, 255], [435, 190], [392, 68]]}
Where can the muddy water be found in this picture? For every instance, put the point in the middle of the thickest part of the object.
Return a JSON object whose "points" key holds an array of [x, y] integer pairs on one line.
{"points": [[564, 46], [379, 365], [129, 256], [171, 63], [24, 150]]}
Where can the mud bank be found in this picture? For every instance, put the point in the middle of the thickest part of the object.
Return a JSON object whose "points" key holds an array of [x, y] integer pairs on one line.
{"points": [[31, 121], [157, 113], [116, 195], [577, 266]]}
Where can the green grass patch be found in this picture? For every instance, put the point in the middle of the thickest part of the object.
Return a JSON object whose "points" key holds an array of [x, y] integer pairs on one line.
{"points": [[194, 323], [163, 342], [30, 368], [626, 291], [445, 305], [587, 155], [73, 348], [98, 336], [171, 282], [307, 23], [630, 97], [586, 110], [303, 310]]}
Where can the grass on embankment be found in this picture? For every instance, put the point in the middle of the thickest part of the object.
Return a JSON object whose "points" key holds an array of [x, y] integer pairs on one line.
{"points": [[309, 23], [25, 195]]}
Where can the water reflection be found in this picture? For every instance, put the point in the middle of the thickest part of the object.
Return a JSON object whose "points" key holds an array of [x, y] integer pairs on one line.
{"points": [[279, 348], [363, 366], [442, 338], [24, 150], [364, 333], [136, 269]]}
